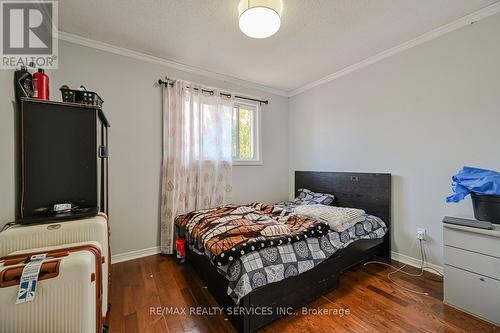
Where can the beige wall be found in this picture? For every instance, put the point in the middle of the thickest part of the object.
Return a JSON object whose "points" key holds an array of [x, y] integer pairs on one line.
{"points": [[133, 106], [420, 115], [7, 151]]}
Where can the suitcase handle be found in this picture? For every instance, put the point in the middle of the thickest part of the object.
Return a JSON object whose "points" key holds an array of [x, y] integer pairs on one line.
{"points": [[11, 276], [98, 275], [23, 258]]}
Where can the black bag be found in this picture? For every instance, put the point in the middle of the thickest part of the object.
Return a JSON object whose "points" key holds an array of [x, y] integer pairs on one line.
{"points": [[486, 207]]}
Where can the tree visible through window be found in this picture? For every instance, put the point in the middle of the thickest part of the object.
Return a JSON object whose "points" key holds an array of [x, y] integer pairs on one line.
{"points": [[244, 133]]}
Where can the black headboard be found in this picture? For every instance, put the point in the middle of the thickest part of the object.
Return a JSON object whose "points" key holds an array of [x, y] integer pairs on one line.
{"points": [[368, 191]]}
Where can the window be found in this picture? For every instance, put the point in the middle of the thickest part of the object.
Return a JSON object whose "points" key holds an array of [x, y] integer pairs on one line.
{"points": [[246, 134]]}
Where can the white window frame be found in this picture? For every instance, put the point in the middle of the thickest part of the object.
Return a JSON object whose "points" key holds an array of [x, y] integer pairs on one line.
{"points": [[257, 134]]}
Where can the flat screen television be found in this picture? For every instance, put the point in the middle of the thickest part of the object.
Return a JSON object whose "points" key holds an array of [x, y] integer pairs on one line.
{"points": [[58, 160]]}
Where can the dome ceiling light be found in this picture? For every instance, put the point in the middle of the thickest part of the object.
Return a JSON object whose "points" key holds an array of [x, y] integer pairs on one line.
{"points": [[260, 18]]}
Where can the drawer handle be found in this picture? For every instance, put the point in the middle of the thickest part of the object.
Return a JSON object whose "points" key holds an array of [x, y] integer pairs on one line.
{"points": [[481, 279]]}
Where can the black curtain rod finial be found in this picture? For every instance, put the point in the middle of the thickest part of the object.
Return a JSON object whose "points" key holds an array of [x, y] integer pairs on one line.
{"points": [[160, 81]]}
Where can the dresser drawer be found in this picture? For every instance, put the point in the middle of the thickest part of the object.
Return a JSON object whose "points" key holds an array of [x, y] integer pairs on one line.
{"points": [[472, 261], [476, 242], [472, 293]]}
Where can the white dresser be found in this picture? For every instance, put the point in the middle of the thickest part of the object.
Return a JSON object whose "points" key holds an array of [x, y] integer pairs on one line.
{"points": [[472, 270]]}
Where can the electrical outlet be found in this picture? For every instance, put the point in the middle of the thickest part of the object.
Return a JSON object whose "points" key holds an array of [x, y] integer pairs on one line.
{"points": [[421, 233]]}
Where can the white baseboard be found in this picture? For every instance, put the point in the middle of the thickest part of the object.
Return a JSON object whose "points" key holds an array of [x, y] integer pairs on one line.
{"points": [[414, 262], [116, 258], [156, 249]]}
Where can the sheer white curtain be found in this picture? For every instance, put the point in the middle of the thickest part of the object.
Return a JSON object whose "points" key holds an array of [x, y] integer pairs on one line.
{"points": [[196, 168]]}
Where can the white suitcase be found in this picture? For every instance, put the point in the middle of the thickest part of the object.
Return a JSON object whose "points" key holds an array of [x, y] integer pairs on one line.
{"points": [[68, 295], [23, 237]]}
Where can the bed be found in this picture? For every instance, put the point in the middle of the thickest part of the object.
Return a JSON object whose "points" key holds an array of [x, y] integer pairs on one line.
{"points": [[368, 191]]}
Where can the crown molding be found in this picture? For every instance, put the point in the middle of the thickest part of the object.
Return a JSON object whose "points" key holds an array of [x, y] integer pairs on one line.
{"points": [[428, 36], [76, 39], [433, 34]]}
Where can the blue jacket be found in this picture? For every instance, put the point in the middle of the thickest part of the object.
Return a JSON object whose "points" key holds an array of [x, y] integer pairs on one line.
{"points": [[480, 181]]}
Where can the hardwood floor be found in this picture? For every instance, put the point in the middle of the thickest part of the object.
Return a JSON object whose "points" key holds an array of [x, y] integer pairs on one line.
{"points": [[375, 304]]}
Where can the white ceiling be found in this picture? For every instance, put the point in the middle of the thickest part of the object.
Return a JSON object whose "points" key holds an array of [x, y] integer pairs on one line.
{"points": [[317, 37]]}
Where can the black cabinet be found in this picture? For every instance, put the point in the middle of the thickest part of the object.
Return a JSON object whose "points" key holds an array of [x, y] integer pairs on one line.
{"points": [[63, 158]]}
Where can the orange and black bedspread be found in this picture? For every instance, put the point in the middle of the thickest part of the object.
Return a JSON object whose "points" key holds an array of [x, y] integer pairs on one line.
{"points": [[229, 232]]}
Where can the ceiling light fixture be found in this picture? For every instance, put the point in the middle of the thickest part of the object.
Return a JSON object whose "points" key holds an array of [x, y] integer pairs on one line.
{"points": [[260, 18]]}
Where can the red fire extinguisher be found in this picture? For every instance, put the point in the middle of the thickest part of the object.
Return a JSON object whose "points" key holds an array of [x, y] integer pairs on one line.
{"points": [[180, 244], [40, 85]]}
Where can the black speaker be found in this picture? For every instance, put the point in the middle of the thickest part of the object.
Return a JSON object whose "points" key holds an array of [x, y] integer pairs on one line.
{"points": [[60, 145]]}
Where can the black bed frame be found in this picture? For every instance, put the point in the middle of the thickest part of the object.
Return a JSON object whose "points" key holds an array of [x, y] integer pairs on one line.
{"points": [[368, 191]]}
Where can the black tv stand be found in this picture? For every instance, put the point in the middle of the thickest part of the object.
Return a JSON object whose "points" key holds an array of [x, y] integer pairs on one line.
{"points": [[74, 215]]}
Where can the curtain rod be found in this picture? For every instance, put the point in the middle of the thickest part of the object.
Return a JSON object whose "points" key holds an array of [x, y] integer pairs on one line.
{"points": [[211, 92]]}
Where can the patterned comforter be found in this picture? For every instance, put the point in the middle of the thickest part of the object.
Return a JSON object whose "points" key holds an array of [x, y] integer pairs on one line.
{"points": [[230, 232], [273, 264]]}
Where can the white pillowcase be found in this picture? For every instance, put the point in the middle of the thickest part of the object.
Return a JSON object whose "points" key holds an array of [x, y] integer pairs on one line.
{"points": [[338, 218]]}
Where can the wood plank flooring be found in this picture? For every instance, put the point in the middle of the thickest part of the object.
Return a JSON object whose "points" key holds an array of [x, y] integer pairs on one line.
{"points": [[375, 304]]}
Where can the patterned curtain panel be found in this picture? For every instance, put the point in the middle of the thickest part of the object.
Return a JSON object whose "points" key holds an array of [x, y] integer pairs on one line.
{"points": [[196, 168]]}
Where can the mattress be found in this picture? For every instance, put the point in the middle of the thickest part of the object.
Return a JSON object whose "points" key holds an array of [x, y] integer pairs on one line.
{"points": [[230, 231], [273, 264]]}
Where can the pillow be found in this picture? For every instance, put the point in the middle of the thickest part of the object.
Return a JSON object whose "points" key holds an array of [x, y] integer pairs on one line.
{"points": [[307, 197], [338, 218]]}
